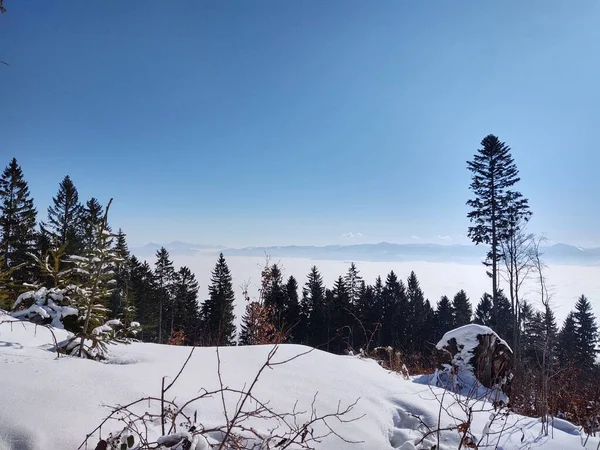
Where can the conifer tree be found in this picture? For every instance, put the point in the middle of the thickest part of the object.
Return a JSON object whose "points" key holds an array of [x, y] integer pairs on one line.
{"points": [[291, 312], [419, 311], [217, 311], [444, 317], [395, 312], [340, 324], [462, 309], [353, 282], [274, 294], [496, 209], [185, 313], [367, 313], [586, 333], [64, 218], [165, 277], [121, 297], [313, 310], [17, 223], [483, 313], [145, 294], [568, 341], [91, 216]]}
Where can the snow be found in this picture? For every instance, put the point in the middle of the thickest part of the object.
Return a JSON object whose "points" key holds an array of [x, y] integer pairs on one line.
{"points": [[467, 335], [54, 402]]}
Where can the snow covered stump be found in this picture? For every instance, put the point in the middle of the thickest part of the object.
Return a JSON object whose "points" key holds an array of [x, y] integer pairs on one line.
{"points": [[476, 350]]}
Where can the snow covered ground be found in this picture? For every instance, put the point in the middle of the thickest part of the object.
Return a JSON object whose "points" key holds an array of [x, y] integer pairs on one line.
{"points": [[49, 403], [565, 282]]}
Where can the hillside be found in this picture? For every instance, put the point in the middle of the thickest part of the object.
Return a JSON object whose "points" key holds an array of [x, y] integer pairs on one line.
{"points": [[54, 403]]}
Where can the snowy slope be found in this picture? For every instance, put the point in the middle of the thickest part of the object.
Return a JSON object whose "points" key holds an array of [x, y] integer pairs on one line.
{"points": [[53, 403]]}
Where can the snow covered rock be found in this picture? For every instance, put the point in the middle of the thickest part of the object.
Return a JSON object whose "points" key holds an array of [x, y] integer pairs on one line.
{"points": [[477, 349]]}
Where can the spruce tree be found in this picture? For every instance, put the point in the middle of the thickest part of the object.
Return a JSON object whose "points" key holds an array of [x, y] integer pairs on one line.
{"points": [[185, 313], [568, 341], [64, 218], [144, 291], [496, 209], [17, 223], [91, 216], [217, 312], [165, 277], [462, 309], [291, 312], [444, 317], [274, 294], [418, 313], [121, 297], [353, 282], [341, 321], [483, 313], [586, 333], [395, 312], [314, 309]]}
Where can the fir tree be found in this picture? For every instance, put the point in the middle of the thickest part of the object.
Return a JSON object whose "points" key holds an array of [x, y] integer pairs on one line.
{"points": [[314, 309], [462, 309], [64, 218], [91, 216], [395, 312], [568, 341], [185, 314], [17, 223], [217, 312], [418, 312], [444, 317], [291, 312], [274, 294], [483, 313], [165, 277], [340, 317], [353, 282], [495, 207], [145, 294], [586, 333]]}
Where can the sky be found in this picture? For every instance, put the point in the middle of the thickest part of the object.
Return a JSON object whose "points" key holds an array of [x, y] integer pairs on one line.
{"points": [[303, 122]]}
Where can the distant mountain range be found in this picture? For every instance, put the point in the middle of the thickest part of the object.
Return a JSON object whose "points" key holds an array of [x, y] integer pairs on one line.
{"points": [[384, 252]]}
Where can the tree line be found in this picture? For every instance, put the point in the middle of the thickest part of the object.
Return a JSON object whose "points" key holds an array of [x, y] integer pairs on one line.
{"points": [[350, 315]]}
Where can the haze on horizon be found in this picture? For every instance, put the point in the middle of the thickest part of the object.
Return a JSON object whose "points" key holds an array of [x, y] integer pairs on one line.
{"points": [[307, 123]]}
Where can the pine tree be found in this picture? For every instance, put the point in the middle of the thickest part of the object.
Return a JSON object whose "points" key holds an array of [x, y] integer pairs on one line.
{"points": [[505, 322], [418, 312], [291, 312], [353, 282], [91, 216], [313, 310], [462, 309], [217, 312], [586, 333], [444, 317], [185, 313], [395, 312], [64, 218], [340, 324], [145, 294], [121, 297], [165, 277], [568, 341], [367, 313], [495, 207], [274, 294], [483, 313], [17, 223]]}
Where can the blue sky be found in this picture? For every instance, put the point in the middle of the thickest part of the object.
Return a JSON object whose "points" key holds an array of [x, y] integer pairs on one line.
{"points": [[296, 122]]}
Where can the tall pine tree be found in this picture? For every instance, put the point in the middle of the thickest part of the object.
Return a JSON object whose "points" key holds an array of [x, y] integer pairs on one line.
{"points": [[586, 333], [496, 209], [17, 223], [217, 311], [165, 277], [65, 219], [462, 309]]}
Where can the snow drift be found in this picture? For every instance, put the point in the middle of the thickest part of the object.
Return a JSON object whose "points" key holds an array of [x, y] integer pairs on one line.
{"points": [[53, 403]]}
